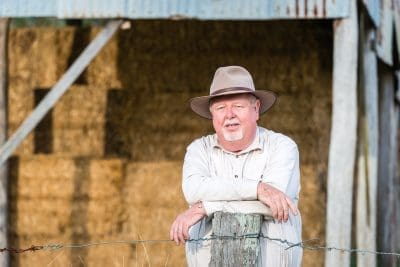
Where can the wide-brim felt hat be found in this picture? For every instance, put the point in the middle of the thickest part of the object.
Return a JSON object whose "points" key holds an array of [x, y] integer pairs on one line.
{"points": [[231, 80]]}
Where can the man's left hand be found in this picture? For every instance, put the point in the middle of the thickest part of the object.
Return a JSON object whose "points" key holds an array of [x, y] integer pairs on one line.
{"points": [[180, 227]]}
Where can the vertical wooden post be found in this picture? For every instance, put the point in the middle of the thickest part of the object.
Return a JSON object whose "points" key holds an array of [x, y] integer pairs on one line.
{"points": [[4, 22], [343, 138], [386, 168], [367, 165], [235, 251]]}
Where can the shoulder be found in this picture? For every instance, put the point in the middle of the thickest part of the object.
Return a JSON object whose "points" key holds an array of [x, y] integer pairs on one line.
{"points": [[274, 140], [203, 143]]}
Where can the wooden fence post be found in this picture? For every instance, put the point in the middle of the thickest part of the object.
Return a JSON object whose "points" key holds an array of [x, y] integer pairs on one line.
{"points": [[228, 251]]}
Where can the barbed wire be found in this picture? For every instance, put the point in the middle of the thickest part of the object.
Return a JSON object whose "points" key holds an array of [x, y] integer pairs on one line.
{"points": [[288, 244]]}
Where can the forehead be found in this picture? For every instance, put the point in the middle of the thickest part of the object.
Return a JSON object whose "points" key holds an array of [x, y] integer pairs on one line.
{"points": [[230, 98]]}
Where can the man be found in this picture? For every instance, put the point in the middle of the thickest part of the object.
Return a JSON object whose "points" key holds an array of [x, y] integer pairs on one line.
{"points": [[241, 168]]}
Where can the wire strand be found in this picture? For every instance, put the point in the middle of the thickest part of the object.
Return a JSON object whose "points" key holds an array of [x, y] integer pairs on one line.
{"points": [[288, 244]]}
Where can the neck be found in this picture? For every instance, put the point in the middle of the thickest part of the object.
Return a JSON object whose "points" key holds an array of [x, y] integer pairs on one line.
{"points": [[236, 146]]}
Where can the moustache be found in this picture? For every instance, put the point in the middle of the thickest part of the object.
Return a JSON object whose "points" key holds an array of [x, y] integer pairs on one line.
{"points": [[230, 122]]}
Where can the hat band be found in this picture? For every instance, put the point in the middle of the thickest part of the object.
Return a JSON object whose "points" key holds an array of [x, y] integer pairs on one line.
{"points": [[230, 89]]}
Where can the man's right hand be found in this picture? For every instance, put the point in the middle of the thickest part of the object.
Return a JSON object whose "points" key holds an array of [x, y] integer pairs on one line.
{"points": [[180, 227], [279, 203]]}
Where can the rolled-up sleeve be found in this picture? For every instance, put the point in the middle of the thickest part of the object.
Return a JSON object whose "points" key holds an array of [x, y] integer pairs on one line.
{"points": [[199, 185]]}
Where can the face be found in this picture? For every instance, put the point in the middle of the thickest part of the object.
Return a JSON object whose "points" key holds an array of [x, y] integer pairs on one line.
{"points": [[235, 120]]}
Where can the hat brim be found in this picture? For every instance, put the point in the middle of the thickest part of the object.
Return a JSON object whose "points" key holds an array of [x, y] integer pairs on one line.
{"points": [[200, 104]]}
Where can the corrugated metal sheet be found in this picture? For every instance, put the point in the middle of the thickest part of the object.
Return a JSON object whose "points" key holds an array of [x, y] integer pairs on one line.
{"points": [[25, 8], [200, 9], [384, 34], [373, 8]]}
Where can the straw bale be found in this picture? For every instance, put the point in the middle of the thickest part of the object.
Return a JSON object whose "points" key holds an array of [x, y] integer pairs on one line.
{"points": [[148, 254], [45, 167], [78, 142], [40, 223], [154, 184], [43, 258], [103, 216], [57, 206], [103, 71], [312, 208], [81, 105], [79, 122], [50, 188], [152, 222], [106, 178], [20, 102]]}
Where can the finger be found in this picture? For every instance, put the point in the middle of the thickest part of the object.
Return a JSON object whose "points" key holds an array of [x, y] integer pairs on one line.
{"points": [[279, 208], [186, 232], [180, 234], [274, 209], [292, 206], [176, 233], [171, 231], [285, 206]]}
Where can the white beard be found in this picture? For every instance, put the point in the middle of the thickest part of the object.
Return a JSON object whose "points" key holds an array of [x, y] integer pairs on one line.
{"points": [[233, 136]]}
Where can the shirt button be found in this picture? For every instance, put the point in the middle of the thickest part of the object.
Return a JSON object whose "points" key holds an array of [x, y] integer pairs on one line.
{"points": [[237, 156], [236, 176]]}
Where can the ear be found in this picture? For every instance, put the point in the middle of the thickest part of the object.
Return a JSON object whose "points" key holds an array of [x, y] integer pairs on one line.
{"points": [[257, 108]]}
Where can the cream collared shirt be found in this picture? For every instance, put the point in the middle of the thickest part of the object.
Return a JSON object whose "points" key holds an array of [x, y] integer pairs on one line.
{"points": [[226, 181]]}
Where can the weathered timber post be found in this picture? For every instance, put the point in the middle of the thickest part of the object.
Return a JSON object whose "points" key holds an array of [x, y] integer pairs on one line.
{"points": [[343, 139], [367, 161], [4, 23], [236, 240]]}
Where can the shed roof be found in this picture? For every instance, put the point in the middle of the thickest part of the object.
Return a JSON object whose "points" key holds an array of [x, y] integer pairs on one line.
{"points": [[199, 9]]}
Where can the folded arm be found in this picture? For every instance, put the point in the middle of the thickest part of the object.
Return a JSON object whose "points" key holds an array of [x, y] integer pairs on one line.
{"points": [[199, 185]]}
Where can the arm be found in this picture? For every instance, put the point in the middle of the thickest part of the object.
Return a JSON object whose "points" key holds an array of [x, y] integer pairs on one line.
{"points": [[198, 185], [246, 207], [280, 185]]}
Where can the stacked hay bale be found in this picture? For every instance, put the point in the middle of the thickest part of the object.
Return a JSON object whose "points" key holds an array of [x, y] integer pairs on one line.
{"points": [[115, 142]]}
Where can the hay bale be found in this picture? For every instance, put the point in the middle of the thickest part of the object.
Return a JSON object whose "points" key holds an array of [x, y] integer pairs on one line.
{"points": [[312, 208], [154, 184]]}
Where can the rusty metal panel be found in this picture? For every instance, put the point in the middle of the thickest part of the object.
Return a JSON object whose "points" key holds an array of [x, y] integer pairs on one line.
{"points": [[384, 34], [373, 8], [200, 9]]}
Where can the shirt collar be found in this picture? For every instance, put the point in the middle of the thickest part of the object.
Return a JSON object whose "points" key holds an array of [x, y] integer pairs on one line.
{"points": [[255, 145]]}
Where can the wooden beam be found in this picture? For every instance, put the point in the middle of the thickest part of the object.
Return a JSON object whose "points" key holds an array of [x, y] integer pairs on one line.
{"points": [[387, 164], [343, 138], [238, 251], [59, 89], [4, 24], [367, 162]]}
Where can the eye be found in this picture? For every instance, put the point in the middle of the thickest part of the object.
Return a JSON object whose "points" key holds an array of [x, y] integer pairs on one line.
{"points": [[239, 106], [219, 107]]}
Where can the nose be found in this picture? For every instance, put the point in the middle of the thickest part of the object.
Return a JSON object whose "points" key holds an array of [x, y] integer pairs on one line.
{"points": [[229, 113]]}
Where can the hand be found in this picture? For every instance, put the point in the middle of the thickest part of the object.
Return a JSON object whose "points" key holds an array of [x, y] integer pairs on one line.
{"points": [[180, 227], [279, 203]]}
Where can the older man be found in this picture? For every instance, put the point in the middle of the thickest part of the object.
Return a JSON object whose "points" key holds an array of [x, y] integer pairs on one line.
{"points": [[241, 168]]}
